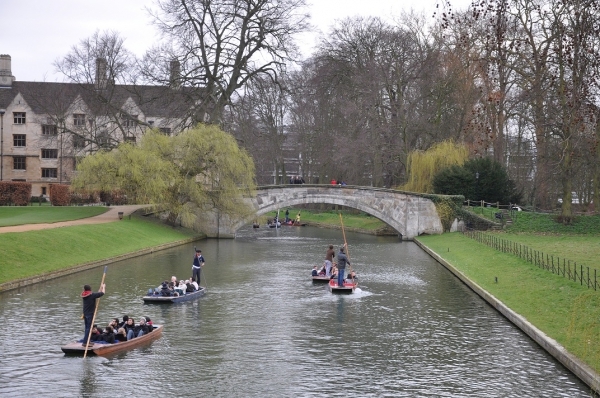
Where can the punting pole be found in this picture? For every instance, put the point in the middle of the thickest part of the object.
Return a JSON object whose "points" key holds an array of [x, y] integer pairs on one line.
{"points": [[94, 317]]}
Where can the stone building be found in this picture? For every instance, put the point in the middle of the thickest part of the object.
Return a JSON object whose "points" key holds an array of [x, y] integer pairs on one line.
{"points": [[46, 127]]}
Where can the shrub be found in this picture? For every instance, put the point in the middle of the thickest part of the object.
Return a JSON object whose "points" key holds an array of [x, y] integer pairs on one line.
{"points": [[59, 195], [15, 192]]}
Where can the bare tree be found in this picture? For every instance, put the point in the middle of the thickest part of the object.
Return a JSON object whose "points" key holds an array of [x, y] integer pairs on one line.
{"points": [[220, 45]]}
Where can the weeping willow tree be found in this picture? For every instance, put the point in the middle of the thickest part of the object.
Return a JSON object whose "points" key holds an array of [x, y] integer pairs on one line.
{"points": [[199, 168], [423, 165]]}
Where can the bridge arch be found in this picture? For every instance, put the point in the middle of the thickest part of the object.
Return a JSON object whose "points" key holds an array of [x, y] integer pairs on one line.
{"points": [[410, 214]]}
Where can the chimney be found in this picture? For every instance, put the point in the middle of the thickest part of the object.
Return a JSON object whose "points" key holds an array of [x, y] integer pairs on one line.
{"points": [[175, 78], [6, 77], [101, 78]]}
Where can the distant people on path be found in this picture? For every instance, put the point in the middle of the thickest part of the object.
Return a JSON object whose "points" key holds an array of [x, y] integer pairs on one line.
{"points": [[329, 260], [333, 181], [342, 260], [197, 265], [89, 307]]}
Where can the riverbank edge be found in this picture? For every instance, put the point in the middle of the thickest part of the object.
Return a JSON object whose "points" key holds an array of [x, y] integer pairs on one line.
{"points": [[18, 283], [580, 369]]}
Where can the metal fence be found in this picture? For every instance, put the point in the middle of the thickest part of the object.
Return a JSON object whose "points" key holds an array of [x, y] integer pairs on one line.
{"points": [[559, 266]]}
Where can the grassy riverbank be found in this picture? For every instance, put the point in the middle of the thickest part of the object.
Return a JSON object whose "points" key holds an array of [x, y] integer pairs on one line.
{"points": [[27, 254], [564, 310], [21, 215], [332, 217]]}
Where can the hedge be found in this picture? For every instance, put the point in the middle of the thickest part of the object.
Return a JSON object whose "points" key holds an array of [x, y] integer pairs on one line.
{"points": [[15, 193]]}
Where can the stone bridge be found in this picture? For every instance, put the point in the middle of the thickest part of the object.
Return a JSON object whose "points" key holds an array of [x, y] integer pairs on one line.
{"points": [[408, 213]]}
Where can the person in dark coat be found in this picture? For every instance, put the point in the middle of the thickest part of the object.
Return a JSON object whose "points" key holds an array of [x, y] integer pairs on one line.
{"points": [[341, 265], [89, 307], [108, 335], [96, 335], [130, 328], [141, 329], [165, 290], [197, 265]]}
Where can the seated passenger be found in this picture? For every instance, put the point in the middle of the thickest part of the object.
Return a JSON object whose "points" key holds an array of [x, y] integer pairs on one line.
{"points": [[125, 318], [352, 277], [314, 271], [334, 272], [182, 287], [140, 329], [189, 288], [130, 328], [114, 323], [108, 335], [96, 335], [164, 290], [149, 323], [121, 335], [195, 284]]}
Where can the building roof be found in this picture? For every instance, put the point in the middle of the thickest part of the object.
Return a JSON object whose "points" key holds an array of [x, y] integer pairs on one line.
{"points": [[57, 98]]}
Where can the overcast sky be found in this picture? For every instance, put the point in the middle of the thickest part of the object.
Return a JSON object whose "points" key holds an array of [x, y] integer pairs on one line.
{"points": [[37, 32]]}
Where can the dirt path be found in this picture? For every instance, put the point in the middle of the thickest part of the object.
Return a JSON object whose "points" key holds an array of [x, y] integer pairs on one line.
{"points": [[110, 216]]}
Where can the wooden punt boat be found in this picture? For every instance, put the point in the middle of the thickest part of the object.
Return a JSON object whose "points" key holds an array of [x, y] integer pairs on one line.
{"points": [[321, 279], [105, 349], [348, 288], [157, 298], [293, 224]]}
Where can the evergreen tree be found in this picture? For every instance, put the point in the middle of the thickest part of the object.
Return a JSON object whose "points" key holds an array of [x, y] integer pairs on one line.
{"points": [[477, 179]]}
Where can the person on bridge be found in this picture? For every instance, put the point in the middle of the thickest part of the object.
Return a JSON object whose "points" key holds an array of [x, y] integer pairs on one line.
{"points": [[341, 265], [89, 307], [197, 265], [329, 260]]}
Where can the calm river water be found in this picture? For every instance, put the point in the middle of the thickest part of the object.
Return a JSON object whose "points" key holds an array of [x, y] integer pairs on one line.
{"points": [[264, 330]]}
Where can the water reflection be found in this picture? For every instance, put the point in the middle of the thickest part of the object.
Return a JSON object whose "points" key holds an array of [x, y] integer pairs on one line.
{"points": [[263, 329]]}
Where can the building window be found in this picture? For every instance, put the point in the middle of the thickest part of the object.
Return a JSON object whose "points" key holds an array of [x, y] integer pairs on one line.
{"points": [[19, 163], [78, 142], [49, 173], [103, 139], [49, 153], [43, 190], [49, 129], [19, 140], [165, 130], [130, 121], [79, 119], [19, 117]]}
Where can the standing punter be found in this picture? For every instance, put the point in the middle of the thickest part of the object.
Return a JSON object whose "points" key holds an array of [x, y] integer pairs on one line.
{"points": [[89, 307], [341, 266], [197, 265]]}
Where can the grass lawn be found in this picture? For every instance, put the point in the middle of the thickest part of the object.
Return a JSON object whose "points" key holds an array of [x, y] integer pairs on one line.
{"points": [[564, 310], [351, 219], [26, 254], [20, 215]]}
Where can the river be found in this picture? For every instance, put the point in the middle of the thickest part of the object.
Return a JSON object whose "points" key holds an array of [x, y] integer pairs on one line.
{"points": [[264, 330]]}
